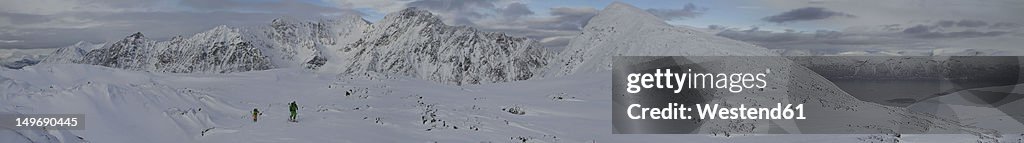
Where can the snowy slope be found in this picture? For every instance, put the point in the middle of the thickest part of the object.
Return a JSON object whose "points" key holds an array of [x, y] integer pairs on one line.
{"points": [[131, 106], [413, 42], [71, 54], [623, 30], [1002, 116]]}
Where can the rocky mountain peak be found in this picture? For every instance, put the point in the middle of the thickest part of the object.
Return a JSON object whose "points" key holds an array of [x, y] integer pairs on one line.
{"points": [[136, 35], [411, 15]]}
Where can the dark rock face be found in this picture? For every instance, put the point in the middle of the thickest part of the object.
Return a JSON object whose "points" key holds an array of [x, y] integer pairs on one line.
{"points": [[129, 53], [181, 56], [220, 50], [416, 43]]}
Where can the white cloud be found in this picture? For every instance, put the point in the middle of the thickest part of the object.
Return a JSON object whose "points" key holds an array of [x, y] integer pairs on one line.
{"points": [[10, 41]]}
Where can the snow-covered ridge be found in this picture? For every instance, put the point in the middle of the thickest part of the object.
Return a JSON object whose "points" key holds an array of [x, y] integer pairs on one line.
{"points": [[72, 53], [623, 30], [414, 42]]}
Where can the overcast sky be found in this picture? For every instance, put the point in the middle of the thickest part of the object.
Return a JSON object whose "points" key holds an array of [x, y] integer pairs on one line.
{"points": [[820, 25]]}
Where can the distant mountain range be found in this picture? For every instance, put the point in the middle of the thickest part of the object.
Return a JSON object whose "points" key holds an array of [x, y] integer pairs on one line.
{"points": [[411, 42]]}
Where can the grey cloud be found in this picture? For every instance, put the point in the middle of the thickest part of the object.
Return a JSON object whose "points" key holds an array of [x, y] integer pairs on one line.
{"points": [[917, 29], [920, 38], [20, 18], [552, 31], [157, 25], [688, 11], [975, 24], [515, 10], [565, 18], [754, 34], [1005, 25], [773, 39], [576, 12], [891, 27], [935, 31], [971, 23], [452, 5], [124, 3], [716, 27], [283, 6], [461, 12], [961, 34], [946, 23], [790, 38], [188, 17], [805, 14], [820, 42], [961, 23]]}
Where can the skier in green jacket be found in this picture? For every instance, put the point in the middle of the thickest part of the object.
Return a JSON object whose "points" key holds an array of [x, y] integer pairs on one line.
{"points": [[255, 113], [293, 107]]}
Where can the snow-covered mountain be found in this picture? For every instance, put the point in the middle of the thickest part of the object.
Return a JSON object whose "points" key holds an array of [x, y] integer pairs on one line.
{"points": [[411, 42], [310, 44], [623, 30], [414, 42], [219, 50], [283, 43]]}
